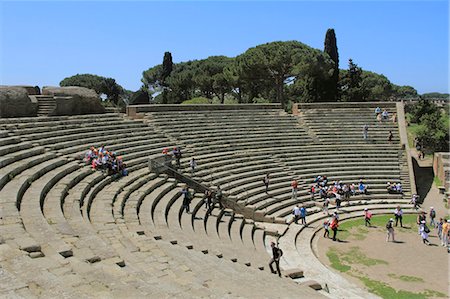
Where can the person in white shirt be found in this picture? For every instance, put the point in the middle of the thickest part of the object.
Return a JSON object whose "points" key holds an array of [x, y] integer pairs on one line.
{"points": [[296, 212]]}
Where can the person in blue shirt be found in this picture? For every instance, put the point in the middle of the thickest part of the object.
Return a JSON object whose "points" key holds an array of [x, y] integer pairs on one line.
{"points": [[303, 215]]}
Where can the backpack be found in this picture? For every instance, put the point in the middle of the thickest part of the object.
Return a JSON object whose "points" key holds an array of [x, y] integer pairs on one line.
{"points": [[433, 214], [280, 252], [426, 229], [389, 225]]}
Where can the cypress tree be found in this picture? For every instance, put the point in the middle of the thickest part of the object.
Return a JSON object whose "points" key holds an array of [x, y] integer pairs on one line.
{"points": [[332, 50], [167, 67]]}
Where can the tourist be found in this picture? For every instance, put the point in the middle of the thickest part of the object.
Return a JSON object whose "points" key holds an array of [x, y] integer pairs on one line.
{"points": [[186, 200], [165, 151], [379, 118], [398, 213], [326, 202], [334, 226], [432, 216], [421, 217], [294, 186], [218, 197], [266, 182], [424, 231], [208, 199], [445, 230], [296, 213], [193, 165], [303, 215], [390, 136], [276, 255], [367, 217], [394, 117], [312, 190], [338, 200], [385, 115], [177, 154], [326, 226], [366, 131], [439, 225], [377, 111], [415, 201], [390, 230], [362, 188]]}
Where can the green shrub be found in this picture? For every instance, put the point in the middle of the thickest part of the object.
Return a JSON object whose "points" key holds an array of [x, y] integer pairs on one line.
{"points": [[199, 100]]}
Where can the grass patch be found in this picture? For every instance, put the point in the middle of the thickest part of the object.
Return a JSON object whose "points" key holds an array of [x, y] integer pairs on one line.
{"points": [[406, 278], [437, 182], [386, 291], [356, 256], [411, 131], [336, 261], [356, 229]]}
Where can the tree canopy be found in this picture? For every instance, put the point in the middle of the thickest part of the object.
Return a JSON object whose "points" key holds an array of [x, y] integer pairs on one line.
{"points": [[101, 85]]}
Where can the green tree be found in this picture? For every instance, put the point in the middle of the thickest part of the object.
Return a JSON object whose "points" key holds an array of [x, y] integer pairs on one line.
{"points": [[351, 87], [330, 47], [102, 85], [421, 108]]}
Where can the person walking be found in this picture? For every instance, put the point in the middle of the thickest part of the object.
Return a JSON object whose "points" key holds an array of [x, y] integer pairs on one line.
{"points": [[424, 231], [296, 213], [367, 217], [421, 217], [439, 225], [390, 230], [193, 165], [303, 215], [445, 229], [390, 137], [398, 213], [186, 199], [294, 186], [432, 216], [326, 202], [208, 199], [266, 182], [218, 197], [366, 131], [276, 255], [334, 226], [415, 201], [326, 226]]}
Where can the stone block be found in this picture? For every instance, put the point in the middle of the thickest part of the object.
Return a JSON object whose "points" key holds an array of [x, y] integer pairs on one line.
{"points": [[294, 273], [15, 102], [312, 284], [36, 254]]}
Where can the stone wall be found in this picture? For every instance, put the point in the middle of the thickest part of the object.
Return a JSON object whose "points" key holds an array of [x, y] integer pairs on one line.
{"points": [[15, 102], [74, 100], [134, 109]]}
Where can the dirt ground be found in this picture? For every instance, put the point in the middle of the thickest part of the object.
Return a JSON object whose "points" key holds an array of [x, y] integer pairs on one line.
{"points": [[407, 257]]}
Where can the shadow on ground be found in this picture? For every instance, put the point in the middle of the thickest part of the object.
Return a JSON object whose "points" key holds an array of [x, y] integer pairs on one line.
{"points": [[424, 178]]}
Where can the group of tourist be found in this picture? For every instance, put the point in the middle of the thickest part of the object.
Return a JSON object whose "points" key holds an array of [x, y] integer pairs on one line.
{"points": [[333, 224], [337, 190], [394, 188], [210, 199], [105, 160], [384, 115]]}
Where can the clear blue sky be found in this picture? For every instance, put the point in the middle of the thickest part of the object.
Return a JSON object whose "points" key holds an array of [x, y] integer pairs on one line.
{"points": [[44, 42]]}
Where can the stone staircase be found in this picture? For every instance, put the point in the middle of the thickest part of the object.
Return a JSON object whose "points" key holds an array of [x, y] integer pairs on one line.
{"points": [[46, 104]]}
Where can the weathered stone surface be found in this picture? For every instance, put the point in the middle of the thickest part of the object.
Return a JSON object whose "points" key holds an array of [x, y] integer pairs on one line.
{"points": [[37, 254], [74, 100], [312, 284], [294, 273], [15, 102]]}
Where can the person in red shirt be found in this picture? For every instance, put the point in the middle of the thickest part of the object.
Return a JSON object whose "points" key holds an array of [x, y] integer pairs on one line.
{"points": [[334, 226], [294, 186]]}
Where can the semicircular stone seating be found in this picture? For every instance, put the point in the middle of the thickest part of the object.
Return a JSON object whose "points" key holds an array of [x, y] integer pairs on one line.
{"points": [[236, 149], [69, 231]]}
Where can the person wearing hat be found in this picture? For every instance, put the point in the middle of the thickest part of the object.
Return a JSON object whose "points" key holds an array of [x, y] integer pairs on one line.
{"points": [[421, 217], [390, 230], [432, 216], [424, 230]]}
